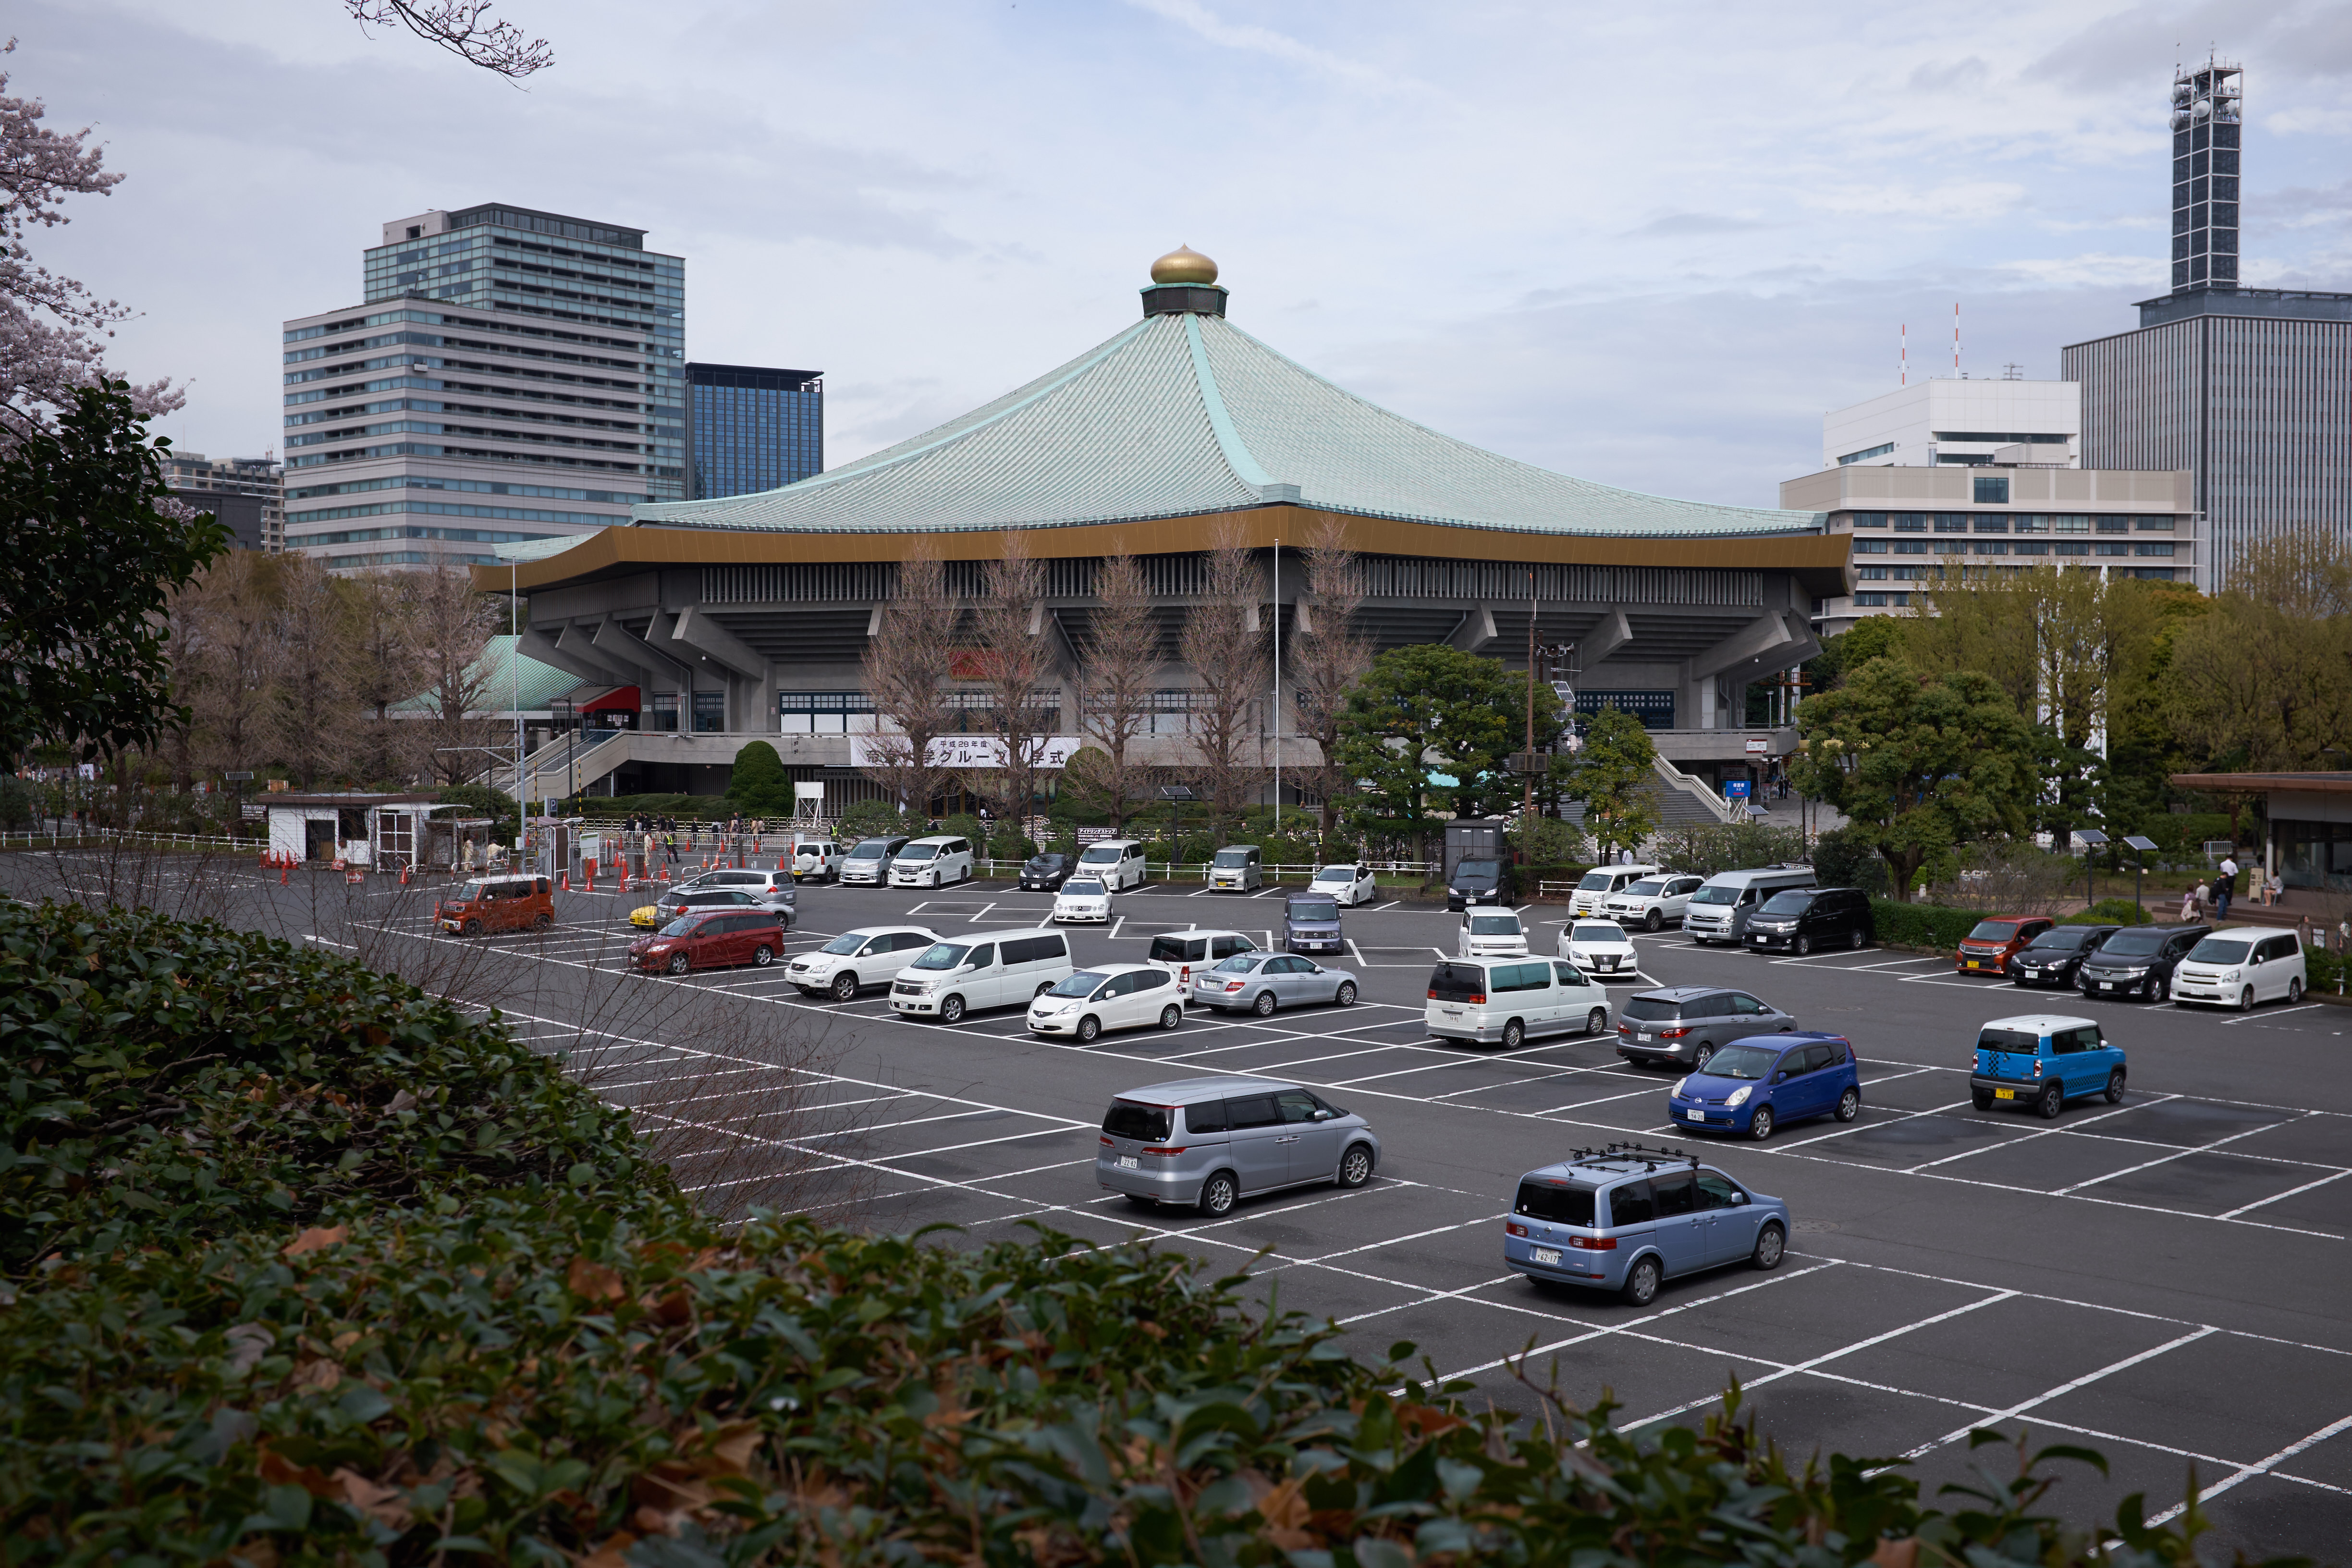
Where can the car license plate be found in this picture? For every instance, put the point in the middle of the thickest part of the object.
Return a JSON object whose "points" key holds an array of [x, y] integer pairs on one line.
{"points": [[1546, 1255], [1127, 1163], [2004, 1094], [1974, 964], [2106, 985], [1757, 940]]}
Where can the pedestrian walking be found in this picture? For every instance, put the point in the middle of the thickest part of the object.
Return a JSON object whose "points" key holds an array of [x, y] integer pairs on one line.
{"points": [[2224, 886], [2303, 931], [2202, 893]]}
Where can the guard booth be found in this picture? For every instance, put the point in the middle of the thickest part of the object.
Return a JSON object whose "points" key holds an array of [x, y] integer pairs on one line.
{"points": [[356, 827]]}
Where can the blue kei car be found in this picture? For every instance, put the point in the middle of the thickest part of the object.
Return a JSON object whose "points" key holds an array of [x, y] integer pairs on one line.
{"points": [[1625, 1218], [1751, 1085], [2042, 1060]]}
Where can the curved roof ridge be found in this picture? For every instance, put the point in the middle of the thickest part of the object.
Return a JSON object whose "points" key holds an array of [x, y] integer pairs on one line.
{"points": [[1229, 439]]}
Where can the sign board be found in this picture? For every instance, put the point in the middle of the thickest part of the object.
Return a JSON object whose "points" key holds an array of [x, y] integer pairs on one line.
{"points": [[239, 776], [804, 789], [1736, 789], [961, 751], [1759, 743]]}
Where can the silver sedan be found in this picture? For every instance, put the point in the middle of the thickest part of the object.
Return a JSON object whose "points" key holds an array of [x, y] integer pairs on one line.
{"points": [[1260, 982]]}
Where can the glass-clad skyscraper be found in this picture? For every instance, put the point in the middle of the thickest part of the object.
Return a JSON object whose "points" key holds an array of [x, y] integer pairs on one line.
{"points": [[753, 428], [509, 375]]}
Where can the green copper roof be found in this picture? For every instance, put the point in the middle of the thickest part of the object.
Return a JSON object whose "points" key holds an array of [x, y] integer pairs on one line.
{"points": [[1183, 414], [541, 683]]}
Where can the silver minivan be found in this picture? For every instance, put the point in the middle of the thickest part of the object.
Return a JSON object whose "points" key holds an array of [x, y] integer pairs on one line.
{"points": [[1719, 911], [1210, 1142], [1503, 1001], [970, 973]]}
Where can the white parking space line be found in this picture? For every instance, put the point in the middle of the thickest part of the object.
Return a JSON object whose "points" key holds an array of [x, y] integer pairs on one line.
{"points": [[2013, 1412], [2255, 1018], [2291, 1192], [2027, 1137], [2260, 1467], [2166, 1159]]}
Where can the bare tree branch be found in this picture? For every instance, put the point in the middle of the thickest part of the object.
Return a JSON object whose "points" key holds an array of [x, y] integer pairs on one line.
{"points": [[1327, 656], [1121, 669], [1226, 642], [906, 668], [464, 28]]}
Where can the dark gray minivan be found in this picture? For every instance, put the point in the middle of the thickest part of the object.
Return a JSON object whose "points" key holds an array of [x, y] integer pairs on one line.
{"points": [[1310, 923], [1209, 1142]]}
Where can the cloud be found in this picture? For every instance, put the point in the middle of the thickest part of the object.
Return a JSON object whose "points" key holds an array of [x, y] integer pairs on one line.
{"points": [[1252, 39], [1676, 224], [2307, 121]]}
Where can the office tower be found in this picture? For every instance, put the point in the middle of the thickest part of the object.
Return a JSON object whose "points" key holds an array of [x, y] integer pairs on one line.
{"points": [[2250, 390], [2208, 122], [248, 494], [509, 375], [1963, 424], [751, 427]]}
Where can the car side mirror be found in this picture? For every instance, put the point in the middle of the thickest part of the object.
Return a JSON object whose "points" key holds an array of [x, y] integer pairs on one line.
{"points": [[1323, 1115], [1781, 1077], [1739, 1199]]}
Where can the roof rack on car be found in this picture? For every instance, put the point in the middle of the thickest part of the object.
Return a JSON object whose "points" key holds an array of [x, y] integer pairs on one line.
{"points": [[1613, 1152]]}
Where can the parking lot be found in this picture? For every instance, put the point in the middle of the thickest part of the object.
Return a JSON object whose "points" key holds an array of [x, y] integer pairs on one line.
{"points": [[2165, 1280]]}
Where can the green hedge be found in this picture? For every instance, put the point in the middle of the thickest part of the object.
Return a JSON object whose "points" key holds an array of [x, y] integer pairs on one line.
{"points": [[480, 1328], [1921, 925]]}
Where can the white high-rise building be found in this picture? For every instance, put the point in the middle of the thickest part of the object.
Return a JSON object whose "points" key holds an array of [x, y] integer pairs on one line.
{"points": [[510, 375], [1962, 423]]}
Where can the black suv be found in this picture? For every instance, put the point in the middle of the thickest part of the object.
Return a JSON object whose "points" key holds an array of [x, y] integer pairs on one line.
{"points": [[1681, 1025], [1046, 873], [2054, 957], [2138, 960], [1802, 919]]}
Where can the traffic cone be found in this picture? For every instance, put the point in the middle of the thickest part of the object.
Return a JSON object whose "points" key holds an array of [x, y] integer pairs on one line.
{"points": [[281, 873]]}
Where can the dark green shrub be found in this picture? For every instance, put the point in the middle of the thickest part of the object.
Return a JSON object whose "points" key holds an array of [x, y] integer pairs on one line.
{"points": [[478, 800], [2110, 913], [1921, 925], [758, 784], [865, 819]]}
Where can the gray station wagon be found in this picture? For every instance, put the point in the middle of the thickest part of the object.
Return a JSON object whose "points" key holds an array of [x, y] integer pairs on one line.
{"points": [[1210, 1142]]}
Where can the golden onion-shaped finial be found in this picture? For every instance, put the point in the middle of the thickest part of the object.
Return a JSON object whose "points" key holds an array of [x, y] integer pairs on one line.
{"points": [[1183, 265]]}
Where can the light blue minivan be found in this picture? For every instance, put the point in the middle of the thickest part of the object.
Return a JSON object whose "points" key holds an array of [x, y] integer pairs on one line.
{"points": [[1624, 1217]]}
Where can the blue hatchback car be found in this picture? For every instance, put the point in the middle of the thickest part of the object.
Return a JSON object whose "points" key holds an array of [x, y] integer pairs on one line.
{"points": [[1752, 1085], [1624, 1217]]}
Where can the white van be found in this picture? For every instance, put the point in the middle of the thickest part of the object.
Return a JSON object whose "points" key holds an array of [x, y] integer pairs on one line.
{"points": [[1491, 933], [1118, 861], [1181, 951], [2238, 966], [1593, 894], [1502, 1001], [1719, 911], [953, 977], [939, 862]]}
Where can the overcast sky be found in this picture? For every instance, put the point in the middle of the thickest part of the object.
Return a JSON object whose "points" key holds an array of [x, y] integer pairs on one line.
{"points": [[1646, 244]]}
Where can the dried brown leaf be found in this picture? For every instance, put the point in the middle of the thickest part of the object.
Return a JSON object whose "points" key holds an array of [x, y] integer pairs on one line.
{"points": [[386, 1505], [316, 1239], [595, 1282]]}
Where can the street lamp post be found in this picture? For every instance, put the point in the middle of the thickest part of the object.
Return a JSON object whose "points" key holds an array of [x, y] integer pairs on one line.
{"points": [[2091, 839], [1175, 795], [2141, 847]]}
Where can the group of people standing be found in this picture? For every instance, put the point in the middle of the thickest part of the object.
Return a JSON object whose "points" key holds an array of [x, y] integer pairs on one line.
{"points": [[2218, 893]]}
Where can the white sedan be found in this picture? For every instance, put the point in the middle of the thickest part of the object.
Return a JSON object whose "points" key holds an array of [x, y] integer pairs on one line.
{"points": [[1598, 947], [1492, 933], [1083, 898], [1350, 885]]}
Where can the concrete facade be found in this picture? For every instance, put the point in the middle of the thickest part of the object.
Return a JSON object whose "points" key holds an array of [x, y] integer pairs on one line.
{"points": [[1947, 420]]}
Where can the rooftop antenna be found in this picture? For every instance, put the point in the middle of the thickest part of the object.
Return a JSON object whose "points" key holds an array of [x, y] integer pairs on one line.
{"points": [[1902, 352], [1956, 337], [2012, 371]]}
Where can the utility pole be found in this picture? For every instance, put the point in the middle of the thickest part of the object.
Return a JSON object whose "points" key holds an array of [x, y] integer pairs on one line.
{"points": [[1528, 774], [1277, 683]]}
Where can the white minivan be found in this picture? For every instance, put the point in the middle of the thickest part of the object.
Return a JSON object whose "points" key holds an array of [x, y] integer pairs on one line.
{"points": [[938, 861], [1502, 1001], [1491, 933], [1180, 952], [953, 977], [1593, 894], [1108, 996], [1118, 861], [2238, 966]]}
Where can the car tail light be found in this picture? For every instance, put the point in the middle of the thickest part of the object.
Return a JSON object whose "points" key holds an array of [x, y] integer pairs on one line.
{"points": [[1233, 985], [1166, 1148], [1512, 1228], [1624, 1028], [1185, 977], [1673, 1034], [1593, 1243], [1108, 1144], [2037, 1067]]}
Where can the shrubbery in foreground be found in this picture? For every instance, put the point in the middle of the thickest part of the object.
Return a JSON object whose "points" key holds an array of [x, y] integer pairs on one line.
{"points": [[401, 1293]]}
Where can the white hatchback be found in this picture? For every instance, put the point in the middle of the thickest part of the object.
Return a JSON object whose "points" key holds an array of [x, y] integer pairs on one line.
{"points": [[869, 955], [1083, 898], [1598, 947], [2238, 966], [1492, 933], [1350, 885], [1109, 996]]}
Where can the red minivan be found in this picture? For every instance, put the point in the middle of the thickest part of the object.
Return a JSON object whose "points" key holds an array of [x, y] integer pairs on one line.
{"points": [[1988, 949], [499, 903], [708, 938]]}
